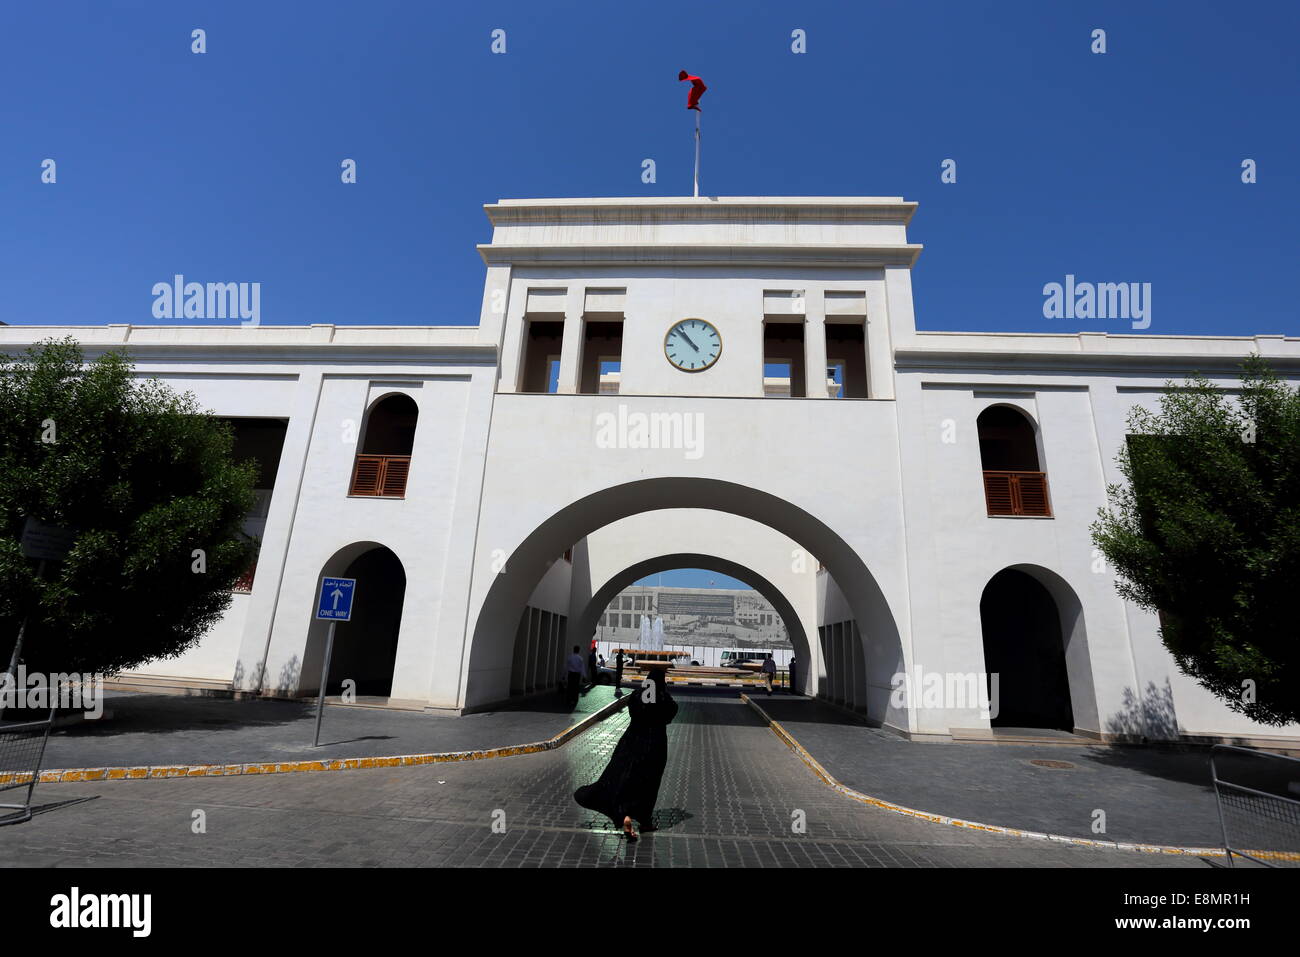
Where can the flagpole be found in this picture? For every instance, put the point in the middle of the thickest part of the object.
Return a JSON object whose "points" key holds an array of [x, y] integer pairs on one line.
{"points": [[697, 154]]}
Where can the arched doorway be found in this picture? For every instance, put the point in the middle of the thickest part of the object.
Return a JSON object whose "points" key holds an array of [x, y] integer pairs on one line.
{"points": [[587, 622], [365, 648], [492, 648], [1024, 646]]}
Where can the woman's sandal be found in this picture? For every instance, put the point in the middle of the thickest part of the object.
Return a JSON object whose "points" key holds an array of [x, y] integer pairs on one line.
{"points": [[628, 830]]}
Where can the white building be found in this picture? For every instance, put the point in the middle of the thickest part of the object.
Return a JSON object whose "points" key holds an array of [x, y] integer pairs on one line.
{"points": [[701, 622], [513, 516]]}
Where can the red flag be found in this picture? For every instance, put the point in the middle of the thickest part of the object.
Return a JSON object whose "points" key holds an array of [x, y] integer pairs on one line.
{"points": [[697, 90]]}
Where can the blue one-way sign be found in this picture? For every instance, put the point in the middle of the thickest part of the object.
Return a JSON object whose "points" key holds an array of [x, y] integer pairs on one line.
{"points": [[336, 598]]}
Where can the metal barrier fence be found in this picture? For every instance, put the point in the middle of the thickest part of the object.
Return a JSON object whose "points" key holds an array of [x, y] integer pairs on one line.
{"points": [[1258, 794], [22, 748]]}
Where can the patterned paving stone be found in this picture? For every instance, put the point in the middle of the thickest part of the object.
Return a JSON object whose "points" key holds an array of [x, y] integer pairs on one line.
{"points": [[731, 796], [1149, 795], [155, 729]]}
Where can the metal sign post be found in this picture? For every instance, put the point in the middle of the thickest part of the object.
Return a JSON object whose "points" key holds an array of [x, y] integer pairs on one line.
{"points": [[334, 604], [324, 677]]}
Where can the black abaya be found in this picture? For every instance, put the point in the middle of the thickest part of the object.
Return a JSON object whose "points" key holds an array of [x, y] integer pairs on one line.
{"points": [[629, 786]]}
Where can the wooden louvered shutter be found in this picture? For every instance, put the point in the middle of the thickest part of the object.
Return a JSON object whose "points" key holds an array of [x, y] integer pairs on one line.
{"points": [[998, 493], [396, 469], [1016, 493], [1033, 493], [366, 475]]}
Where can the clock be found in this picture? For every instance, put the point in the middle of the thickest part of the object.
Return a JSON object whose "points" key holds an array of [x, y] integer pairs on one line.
{"points": [[693, 345]]}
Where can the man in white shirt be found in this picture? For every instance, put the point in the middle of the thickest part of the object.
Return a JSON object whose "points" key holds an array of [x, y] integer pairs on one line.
{"points": [[769, 671], [574, 666]]}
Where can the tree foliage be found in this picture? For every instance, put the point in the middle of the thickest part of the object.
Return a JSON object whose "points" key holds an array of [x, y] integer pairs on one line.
{"points": [[1206, 532], [145, 478]]}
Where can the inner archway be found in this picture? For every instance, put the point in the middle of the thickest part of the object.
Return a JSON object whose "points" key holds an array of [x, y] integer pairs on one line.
{"points": [[586, 624]]}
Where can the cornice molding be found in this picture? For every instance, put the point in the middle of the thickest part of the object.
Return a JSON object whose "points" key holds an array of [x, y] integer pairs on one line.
{"points": [[320, 353], [704, 254], [734, 209], [1030, 360]]}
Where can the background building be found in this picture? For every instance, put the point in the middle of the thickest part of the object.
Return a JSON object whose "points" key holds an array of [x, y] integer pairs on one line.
{"points": [[703, 621]]}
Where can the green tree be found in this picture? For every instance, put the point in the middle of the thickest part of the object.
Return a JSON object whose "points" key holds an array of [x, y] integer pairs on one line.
{"points": [[1207, 534], [145, 478]]}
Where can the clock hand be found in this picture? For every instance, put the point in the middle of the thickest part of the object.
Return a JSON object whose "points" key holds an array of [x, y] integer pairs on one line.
{"points": [[683, 334]]}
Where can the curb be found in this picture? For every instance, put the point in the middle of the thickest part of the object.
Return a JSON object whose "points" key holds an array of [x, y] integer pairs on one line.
{"points": [[70, 775], [829, 780]]}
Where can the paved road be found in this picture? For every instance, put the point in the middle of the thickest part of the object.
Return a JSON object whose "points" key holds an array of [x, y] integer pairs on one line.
{"points": [[730, 796]]}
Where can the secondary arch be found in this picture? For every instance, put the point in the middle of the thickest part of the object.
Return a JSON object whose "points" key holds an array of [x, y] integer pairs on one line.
{"points": [[586, 621]]}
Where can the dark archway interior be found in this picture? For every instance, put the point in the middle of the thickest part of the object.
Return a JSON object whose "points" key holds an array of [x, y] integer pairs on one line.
{"points": [[1006, 441], [261, 440], [390, 428], [365, 648], [1023, 645]]}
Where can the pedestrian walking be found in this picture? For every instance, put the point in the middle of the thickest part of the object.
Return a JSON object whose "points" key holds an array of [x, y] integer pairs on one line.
{"points": [[794, 680], [573, 668], [769, 671], [629, 787]]}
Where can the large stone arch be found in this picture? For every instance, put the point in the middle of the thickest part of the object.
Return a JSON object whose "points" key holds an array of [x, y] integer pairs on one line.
{"points": [[585, 623], [487, 672]]}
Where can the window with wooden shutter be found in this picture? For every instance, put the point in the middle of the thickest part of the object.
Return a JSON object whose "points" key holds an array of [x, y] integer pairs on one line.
{"points": [[1016, 493], [1013, 484], [383, 464]]}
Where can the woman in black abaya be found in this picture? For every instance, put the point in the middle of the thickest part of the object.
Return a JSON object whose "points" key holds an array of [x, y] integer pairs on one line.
{"points": [[628, 789]]}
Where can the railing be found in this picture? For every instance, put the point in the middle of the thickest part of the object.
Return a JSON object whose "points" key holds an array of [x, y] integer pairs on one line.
{"points": [[1260, 803], [1016, 493], [380, 475], [244, 583], [22, 747]]}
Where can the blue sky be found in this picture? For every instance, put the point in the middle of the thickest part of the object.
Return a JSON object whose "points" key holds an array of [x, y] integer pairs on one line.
{"points": [[693, 578], [225, 166]]}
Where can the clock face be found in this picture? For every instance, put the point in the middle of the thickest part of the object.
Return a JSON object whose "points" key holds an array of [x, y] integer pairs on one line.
{"points": [[693, 345]]}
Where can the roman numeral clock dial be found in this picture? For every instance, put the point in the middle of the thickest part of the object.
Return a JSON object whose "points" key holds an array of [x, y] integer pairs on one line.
{"points": [[693, 345]]}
